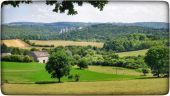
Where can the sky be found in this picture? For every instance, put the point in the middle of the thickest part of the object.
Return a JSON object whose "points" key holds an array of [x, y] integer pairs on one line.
{"points": [[126, 12]]}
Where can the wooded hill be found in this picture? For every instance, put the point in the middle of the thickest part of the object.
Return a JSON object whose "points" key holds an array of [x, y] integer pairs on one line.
{"points": [[81, 31]]}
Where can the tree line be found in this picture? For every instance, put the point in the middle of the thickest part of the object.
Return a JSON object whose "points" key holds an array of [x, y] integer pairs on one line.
{"points": [[133, 42], [89, 32]]}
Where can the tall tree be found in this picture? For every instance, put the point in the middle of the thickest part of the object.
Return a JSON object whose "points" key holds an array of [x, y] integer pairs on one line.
{"points": [[58, 65], [157, 58]]}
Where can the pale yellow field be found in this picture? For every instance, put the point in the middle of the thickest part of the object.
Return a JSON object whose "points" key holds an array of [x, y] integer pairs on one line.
{"points": [[141, 86], [114, 70], [66, 43], [15, 43], [133, 53]]}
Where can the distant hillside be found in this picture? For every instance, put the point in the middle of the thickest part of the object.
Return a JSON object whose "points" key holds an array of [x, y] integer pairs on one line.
{"points": [[102, 32], [155, 25], [38, 31], [79, 30]]}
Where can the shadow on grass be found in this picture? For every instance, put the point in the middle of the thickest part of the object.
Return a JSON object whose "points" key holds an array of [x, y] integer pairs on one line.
{"points": [[47, 82], [150, 77], [37, 82]]}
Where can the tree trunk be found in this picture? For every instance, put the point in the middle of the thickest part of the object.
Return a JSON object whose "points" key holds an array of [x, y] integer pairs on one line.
{"points": [[59, 80], [144, 74]]}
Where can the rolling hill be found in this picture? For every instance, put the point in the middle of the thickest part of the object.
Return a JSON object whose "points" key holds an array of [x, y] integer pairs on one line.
{"points": [[79, 30]]}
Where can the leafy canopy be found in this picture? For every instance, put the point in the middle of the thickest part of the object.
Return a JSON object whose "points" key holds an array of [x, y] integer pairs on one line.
{"points": [[62, 6], [58, 64], [157, 58]]}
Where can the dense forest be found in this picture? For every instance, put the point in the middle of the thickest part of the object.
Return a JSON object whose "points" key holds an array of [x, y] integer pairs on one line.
{"points": [[133, 42], [80, 31]]}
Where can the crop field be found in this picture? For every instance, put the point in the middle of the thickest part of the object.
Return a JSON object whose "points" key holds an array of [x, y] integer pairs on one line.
{"points": [[15, 43], [133, 53], [66, 43]]}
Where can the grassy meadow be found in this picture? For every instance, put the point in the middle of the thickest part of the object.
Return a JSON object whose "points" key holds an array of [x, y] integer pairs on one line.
{"points": [[33, 72], [66, 43], [133, 53]]}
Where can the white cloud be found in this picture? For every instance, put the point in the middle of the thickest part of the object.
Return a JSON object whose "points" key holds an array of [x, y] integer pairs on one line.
{"points": [[113, 12]]}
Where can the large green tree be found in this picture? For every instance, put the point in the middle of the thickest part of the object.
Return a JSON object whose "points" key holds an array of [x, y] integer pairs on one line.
{"points": [[157, 58], [62, 6], [58, 65]]}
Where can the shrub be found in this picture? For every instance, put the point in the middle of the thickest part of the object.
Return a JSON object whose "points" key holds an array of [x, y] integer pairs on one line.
{"points": [[70, 77], [77, 77], [145, 71], [17, 58], [83, 63], [34, 49], [27, 59]]}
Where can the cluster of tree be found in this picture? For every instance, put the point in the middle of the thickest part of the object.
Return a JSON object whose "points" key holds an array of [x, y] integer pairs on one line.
{"points": [[13, 50], [18, 55], [132, 42], [84, 56], [16, 58]]}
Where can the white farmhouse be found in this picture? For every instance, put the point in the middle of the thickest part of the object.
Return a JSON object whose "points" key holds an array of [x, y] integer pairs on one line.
{"points": [[40, 56]]}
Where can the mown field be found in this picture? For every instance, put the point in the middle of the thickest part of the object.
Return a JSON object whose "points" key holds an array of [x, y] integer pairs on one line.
{"points": [[66, 43], [15, 43], [94, 80], [133, 53], [140, 86]]}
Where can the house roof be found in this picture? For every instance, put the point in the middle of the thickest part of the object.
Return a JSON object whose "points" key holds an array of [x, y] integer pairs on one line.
{"points": [[40, 53]]}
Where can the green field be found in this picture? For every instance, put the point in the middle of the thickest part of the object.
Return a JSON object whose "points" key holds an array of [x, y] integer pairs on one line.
{"points": [[94, 80], [133, 53], [33, 72]]}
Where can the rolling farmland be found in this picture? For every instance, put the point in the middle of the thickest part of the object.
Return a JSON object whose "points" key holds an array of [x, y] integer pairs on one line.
{"points": [[66, 43]]}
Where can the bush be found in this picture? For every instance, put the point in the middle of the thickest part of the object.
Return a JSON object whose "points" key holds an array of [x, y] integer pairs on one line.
{"points": [[17, 58], [77, 77], [83, 63], [145, 71], [34, 49], [70, 77]]}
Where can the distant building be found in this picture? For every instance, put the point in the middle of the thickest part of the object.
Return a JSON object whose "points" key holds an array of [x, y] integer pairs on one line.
{"points": [[40, 56], [5, 54]]}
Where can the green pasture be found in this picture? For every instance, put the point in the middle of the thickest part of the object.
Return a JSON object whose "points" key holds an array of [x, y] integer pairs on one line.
{"points": [[15, 72]]}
